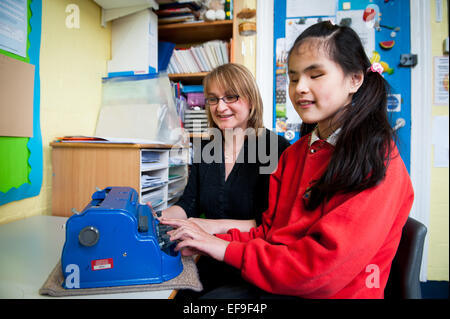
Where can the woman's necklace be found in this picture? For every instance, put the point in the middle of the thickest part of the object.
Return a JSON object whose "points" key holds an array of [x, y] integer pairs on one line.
{"points": [[230, 154], [232, 148]]}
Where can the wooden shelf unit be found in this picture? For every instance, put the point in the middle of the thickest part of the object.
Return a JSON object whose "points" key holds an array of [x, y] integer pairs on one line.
{"points": [[188, 78], [196, 32], [78, 168]]}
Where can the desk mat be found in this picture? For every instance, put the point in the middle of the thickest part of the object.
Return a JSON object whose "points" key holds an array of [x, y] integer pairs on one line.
{"points": [[188, 279]]}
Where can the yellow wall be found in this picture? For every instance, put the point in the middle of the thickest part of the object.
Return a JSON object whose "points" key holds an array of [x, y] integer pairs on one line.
{"points": [[72, 63], [439, 198]]}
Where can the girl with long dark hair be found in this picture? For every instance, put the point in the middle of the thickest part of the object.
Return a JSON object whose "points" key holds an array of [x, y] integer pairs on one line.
{"points": [[340, 195]]}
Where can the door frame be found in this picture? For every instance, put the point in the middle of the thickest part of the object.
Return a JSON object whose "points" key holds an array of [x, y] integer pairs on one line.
{"points": [[264, 57], [421, 119]]}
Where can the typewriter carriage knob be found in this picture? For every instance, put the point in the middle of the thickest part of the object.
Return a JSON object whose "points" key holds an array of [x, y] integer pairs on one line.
{"points": [[88, 236]]}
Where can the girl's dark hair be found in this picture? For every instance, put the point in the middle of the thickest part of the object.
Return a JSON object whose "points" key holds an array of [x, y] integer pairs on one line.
{"points": [[365, 143]]}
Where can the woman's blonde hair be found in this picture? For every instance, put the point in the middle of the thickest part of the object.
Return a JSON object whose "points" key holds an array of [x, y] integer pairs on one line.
{"points": [[236, 79]]}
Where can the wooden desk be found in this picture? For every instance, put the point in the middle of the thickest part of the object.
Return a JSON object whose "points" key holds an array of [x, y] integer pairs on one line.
{"points": [[30, 249]]}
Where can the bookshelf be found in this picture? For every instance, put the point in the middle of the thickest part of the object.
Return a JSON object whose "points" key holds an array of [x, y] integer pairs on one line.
{"points": [[185, 35]]}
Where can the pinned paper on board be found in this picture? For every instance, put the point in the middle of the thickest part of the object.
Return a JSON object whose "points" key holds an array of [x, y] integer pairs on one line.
{"points": [[365, 31], [14, 26], [307, 8], [16, 97], [294, 27], [441, 81], [440, 141], [394, 103]]}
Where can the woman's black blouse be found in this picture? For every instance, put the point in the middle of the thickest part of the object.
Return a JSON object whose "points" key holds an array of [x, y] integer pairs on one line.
{"points": [[244, 195]]}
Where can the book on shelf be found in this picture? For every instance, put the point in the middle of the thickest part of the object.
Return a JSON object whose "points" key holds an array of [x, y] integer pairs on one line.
{"points": [[192, 88], [193, 5], [188, 17], [228, 9], [165, 51], [200, 58]]}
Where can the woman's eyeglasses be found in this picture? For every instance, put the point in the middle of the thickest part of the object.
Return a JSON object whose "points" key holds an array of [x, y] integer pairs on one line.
{"points": [[227, 99]]}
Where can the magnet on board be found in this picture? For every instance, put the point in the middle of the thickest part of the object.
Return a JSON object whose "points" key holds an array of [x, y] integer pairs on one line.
{"points": [[387, 45], [390, 27], [346, 22], [386, 68]]}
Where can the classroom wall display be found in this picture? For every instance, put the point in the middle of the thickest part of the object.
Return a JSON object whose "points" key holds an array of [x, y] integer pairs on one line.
{"points": [[21, 157], [384, 29]]}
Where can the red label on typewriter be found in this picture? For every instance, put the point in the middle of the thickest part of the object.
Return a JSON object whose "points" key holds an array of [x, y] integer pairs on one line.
{"points": [[101, 264]]}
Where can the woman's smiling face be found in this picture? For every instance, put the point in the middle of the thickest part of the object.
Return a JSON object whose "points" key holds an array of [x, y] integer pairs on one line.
{"points": [[228, 115]]}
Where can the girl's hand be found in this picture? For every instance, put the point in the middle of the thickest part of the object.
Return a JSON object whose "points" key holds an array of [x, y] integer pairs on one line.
{"points": [[193, 238], [211, 226]]}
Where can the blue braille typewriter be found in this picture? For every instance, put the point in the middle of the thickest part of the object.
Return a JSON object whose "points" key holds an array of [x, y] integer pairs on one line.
{"points": [[115, 241]]}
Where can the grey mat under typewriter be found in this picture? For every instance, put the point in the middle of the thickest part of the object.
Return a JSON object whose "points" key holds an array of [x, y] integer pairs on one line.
{"points": [[188, 279]]}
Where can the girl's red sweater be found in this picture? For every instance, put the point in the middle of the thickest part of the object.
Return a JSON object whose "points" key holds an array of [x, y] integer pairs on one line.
{"points": [[343, 249]]}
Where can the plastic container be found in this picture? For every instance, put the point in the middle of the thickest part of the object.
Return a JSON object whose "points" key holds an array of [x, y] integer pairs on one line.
{"points": [[195, 99]]}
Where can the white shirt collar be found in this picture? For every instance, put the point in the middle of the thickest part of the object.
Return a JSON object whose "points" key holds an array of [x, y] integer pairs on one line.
{"points": [[332, 139]]}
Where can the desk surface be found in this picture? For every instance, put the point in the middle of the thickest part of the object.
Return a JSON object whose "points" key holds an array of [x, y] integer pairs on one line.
{"points": [[30, 249], [115, 145]]}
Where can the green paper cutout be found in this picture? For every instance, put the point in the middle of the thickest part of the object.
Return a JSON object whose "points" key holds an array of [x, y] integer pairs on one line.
{"points": [[14, 168]]}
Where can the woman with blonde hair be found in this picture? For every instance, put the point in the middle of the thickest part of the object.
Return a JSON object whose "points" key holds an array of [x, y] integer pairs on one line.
{"points": [[229, 179]]}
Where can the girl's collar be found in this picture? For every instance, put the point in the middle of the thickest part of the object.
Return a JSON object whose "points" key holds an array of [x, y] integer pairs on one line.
{"points": [[332, 139]]}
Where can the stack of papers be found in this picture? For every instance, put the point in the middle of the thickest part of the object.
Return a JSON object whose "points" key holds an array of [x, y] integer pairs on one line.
{"points": [[155, 198], [151, 181], [111, 140], [180, 11], [195, 121], [174, 161], [150, 157]]}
